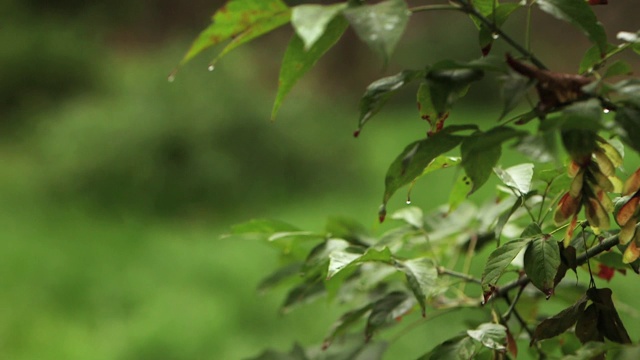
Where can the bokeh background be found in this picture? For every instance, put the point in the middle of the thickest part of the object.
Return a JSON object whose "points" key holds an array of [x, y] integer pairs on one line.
{"points": [[115, 184]]}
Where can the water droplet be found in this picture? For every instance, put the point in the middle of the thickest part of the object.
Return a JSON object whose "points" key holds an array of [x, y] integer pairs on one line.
{"points": [[211, 68], [495, 36], [408, 201], [171, 78], [606, 111]]}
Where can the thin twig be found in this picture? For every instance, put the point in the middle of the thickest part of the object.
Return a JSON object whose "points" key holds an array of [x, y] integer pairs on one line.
{"points": [[605, 245], [459, 275], [424, 8]]}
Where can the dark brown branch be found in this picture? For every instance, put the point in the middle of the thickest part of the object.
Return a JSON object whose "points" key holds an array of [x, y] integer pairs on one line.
{"points": [[605, 245]]}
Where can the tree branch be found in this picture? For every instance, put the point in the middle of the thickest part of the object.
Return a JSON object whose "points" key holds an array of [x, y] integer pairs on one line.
{"points": [[459, 275], [605, 245]]}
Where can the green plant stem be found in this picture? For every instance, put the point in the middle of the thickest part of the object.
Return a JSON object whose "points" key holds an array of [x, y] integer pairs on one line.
{"points": [[515, 313], [424, 8], [459, 275], [605, 245], [467, 7]]}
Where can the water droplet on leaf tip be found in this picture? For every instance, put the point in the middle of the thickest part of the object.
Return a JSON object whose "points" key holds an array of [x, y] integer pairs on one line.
{"points": [[211, 68], [606, 111], [495, 36], [408, 202], [171, 78]]}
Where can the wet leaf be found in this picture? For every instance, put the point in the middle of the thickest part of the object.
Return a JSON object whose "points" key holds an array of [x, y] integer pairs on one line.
{"points": [[380, 25], [579, 14], [561, 322], [279, 276], [297, 353], [618, 68], [542, 147], [412, 215], [439, 163], [628, 118], [492, 336], [235, 18], [498, 18], [500, 259], [593, 57], [310, 21], [541, 262], [517, 177], [421, 276], [298, 61], [481, 151], [380, 91], [461, 189], [387, 309], [340, 260], [514, 88], [304, 293], [345, 322], [410, 164], [460, 347]]}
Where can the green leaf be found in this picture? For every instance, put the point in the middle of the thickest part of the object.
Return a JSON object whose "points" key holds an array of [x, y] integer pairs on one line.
{"points": [[421, 276], [439, 163], [481, 151], [505, 216], [517, 177], [349, 230], [345, 322], [559, 323], [497, 17], [514, 88], [462, 187], [580, 14], [341, 259], [618, 68], [380, 25], [258, 29], [492, 336], [296, 353], [297, 61], [628, 118], [542, 147], [460, 347], [390, 308], [500, 259], [541, 262], [410, 164], [279, 276], [593, 350], [412, 215], [593, 58], [238, 17], [380, 91], [306, 292], [310, 21]]}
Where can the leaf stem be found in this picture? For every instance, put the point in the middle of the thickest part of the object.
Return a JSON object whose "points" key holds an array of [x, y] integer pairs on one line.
{"points": [[459, 275], [424, 8], [467, 7]]}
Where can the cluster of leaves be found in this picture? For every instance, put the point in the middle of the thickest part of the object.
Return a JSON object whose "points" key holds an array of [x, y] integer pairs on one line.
{"points": [[418, 264]]}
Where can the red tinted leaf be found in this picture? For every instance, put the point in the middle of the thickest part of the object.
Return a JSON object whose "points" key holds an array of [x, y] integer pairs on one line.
{"points": [[567, 207], [632, 184], [605, 272], [627, 211]]}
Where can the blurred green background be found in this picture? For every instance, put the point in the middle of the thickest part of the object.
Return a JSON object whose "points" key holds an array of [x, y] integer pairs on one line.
{"points": [[115, 184]]}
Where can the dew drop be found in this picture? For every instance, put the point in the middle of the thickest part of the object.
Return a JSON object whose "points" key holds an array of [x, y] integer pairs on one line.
{"points": [[408, 201], [211, 68], [495, 36], [606, 111], [171, 78]]}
